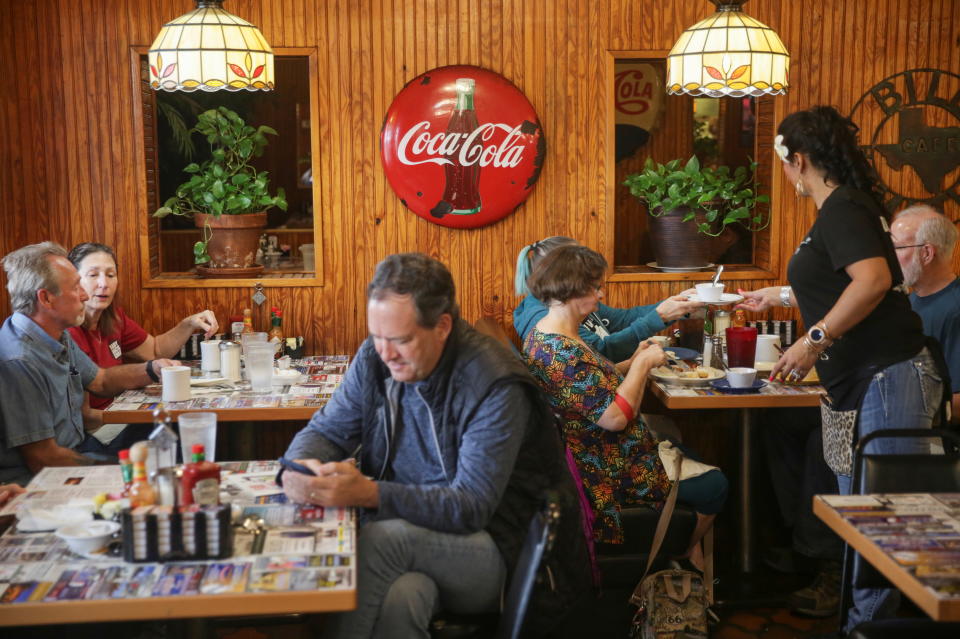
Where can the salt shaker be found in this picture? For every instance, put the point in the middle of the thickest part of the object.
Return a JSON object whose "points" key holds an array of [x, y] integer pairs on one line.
{"points": [[230, 360]]}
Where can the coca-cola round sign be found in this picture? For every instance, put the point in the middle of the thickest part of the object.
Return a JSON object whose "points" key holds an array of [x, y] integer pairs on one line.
{"points": [[462, 146]]}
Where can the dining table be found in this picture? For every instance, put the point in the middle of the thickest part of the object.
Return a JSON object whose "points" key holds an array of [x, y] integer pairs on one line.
{"points": [[912, 539], [677, 397], [292, 397], [305, 561]]}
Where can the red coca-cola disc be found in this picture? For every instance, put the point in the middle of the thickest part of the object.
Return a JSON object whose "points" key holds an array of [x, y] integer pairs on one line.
{"points": [[462, 146]]}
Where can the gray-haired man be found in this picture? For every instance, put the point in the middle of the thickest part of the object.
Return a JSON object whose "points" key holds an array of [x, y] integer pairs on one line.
{"points": [[456, 448], [924, 240], [43, 373]]}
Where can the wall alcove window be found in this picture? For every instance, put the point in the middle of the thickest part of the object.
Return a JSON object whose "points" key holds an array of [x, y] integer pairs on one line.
{"points": [[720, 131], [291, 158]]}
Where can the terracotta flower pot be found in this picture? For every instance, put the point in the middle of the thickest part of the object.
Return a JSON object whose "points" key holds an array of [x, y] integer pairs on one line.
{"points": [[233, 244]]}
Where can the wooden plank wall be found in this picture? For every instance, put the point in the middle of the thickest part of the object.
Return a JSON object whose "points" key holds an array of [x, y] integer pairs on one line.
{"points": [[67, 133]]}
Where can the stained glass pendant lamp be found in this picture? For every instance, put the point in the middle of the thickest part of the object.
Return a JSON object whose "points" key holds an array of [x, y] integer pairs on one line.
{"points": [[209, 49], [728, 54]]}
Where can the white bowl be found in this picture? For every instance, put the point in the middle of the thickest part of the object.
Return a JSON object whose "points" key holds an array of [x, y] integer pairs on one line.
{"points": [[707, 292], [88, 537], [740, 377]]}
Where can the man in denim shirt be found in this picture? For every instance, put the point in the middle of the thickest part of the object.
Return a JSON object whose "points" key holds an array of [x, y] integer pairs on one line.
{"points": [[455, 449], [42, 371]]}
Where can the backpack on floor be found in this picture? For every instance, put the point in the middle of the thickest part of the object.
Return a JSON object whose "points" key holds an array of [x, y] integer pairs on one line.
{"points": [[671, 604]]}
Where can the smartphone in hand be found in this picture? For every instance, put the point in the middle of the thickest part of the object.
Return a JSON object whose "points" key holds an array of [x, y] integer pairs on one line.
{"points": [[289, 464]]}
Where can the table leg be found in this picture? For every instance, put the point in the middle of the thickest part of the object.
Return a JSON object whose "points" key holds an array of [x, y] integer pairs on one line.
{"points": [[747, 559]]}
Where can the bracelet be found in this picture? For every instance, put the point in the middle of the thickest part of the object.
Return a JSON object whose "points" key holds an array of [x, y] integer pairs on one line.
{"points": [[624, 406], [820, 353], [152, 374], [785, 296]]}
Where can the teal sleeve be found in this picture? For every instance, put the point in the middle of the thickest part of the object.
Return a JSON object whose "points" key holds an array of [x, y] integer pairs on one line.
{"points": [[627, 328]]}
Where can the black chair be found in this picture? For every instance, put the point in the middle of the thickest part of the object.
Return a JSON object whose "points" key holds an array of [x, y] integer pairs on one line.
{"points": [[539, 540], [884, 473]]}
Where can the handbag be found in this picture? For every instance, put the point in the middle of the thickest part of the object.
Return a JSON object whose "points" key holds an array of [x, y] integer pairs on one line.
{"points": [[672, 603]]}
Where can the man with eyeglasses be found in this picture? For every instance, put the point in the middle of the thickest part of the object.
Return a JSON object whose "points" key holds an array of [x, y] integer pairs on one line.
{"points": [[924, 240]]}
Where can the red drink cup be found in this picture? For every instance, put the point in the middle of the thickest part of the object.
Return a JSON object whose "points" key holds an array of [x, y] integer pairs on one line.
{"points": [[741, 346]]}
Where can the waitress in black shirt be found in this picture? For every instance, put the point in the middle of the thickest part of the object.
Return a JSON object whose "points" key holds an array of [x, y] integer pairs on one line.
{"points": [[863, 337]]}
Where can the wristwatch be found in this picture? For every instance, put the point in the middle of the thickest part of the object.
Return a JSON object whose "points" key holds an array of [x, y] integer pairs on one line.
{"points": [[817, 335]]}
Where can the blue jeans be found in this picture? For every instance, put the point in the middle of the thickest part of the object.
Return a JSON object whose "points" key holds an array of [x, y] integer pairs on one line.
{"points": [[406, 573], [904, 395]]}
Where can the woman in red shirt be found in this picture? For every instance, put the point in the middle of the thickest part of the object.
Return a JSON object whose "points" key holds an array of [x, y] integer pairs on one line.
{"points": [[108, 336]]}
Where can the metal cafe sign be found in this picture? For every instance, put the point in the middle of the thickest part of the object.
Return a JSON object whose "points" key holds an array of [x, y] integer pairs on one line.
{"points": [[462, 146], [912, 122]]}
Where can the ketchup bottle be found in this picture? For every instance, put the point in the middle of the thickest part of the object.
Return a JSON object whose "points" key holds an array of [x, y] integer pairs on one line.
{"points": [[200, 483]]}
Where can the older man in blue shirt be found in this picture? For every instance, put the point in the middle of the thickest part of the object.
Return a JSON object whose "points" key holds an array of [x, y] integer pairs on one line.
{"points": [[43, 373]]}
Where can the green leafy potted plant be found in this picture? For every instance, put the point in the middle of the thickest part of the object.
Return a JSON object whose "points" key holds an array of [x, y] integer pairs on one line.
{"points": [[227, 194], [689, 205]]}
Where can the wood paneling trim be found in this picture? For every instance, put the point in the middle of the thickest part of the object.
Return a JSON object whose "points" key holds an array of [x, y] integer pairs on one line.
{"points": [[71, 164]]}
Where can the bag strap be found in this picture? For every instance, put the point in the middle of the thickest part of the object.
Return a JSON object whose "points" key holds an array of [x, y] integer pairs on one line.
{"points": [[665, 516]]}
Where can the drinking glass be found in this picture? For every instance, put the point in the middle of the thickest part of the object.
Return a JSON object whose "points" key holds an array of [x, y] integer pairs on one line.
{"points": [[260, 365], [198, 428], [741, 346], [251, 338]]}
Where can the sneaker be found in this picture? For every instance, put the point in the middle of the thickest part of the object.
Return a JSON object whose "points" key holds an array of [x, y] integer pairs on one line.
{"points": [[822, 597]]}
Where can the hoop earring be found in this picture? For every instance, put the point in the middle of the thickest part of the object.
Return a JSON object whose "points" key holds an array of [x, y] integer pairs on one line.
{"points": [[801, 189]]}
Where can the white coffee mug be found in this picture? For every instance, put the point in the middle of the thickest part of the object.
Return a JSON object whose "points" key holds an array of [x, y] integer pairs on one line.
{"points": [[210, 355], [176, 383]]}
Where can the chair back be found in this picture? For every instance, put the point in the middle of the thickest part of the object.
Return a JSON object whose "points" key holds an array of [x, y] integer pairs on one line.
{"points": [[539, 540], [887, 473], [488, 325]]}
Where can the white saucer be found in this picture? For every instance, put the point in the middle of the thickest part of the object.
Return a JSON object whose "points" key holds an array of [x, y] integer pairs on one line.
{"points": [[725, 299], [679, 269]]}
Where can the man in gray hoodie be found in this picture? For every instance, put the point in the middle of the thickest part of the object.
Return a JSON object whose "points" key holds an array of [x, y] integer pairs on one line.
{"points": [[440, 436]]}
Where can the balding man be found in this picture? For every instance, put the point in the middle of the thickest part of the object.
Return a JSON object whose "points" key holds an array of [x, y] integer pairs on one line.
{"points": [[42, 371], [924, 240]]}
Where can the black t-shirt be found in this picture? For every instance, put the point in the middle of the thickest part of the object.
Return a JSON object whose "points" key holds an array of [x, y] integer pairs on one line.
{"points": [[850, 228]]}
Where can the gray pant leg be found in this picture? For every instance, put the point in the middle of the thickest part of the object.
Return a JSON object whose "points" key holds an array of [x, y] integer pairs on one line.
{"points": [[406, 573]]}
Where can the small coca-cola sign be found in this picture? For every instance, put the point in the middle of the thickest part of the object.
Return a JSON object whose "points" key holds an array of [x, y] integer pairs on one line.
{"points": [[462, 146]]}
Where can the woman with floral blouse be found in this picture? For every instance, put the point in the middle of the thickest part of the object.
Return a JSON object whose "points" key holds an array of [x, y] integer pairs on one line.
{"points": [[598, 401]]}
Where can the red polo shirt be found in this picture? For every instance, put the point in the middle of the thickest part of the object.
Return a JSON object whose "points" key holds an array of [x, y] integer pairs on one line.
{"points": [[108, 351]]}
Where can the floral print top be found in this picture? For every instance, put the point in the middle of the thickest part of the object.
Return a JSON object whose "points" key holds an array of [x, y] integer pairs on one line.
{"points": [[617, 468]]}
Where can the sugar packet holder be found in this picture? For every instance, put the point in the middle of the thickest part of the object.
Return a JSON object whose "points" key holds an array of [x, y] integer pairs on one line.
{"points": [[175, 533]]}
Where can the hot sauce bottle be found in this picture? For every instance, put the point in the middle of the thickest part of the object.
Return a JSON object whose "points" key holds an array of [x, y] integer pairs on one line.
{"points": [[200, 483], [126, 470]]}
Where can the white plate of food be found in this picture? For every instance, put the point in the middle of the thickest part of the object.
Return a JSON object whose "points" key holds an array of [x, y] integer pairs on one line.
{"points": [[695, 376]]}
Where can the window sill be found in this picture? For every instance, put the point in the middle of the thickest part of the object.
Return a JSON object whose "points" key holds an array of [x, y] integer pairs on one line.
{"points": [[267, 280], [730, 272]]}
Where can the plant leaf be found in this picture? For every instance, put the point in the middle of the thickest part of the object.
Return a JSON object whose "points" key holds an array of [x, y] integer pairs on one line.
{"points": [[739, 71], [714, 72]]}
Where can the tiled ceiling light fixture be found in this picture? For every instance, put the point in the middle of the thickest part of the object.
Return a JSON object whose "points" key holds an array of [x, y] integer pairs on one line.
{"points": [[728, 54], [210, 49]]}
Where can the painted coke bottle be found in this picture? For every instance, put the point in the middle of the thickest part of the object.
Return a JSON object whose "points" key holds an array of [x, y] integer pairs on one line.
{"points": [[462, 192]]}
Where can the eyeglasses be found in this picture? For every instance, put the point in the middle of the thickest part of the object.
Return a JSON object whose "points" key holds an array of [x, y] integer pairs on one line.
{"points": [[897, 248]]}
